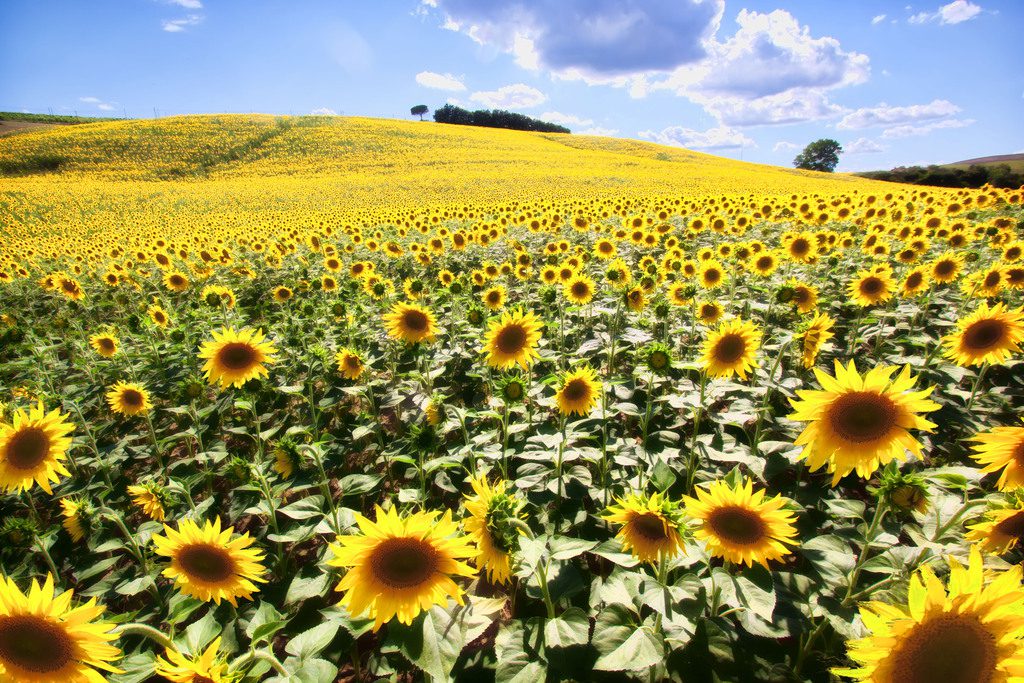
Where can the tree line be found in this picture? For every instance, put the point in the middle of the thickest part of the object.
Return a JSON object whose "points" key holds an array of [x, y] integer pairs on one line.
{"points": [[975, 175], [494, 118]]}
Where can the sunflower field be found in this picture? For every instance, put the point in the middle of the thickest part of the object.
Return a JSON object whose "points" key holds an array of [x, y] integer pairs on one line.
{"points": [[264, 420]]}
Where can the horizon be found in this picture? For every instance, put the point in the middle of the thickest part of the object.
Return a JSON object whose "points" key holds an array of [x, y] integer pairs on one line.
{"points": [[753, 81]]}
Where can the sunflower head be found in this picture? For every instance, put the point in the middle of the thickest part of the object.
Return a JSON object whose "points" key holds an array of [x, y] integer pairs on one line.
{"points": [[399, 566], [233, 358], [512, 340], [512, 388], [210, 665], [902, 491], [32, 448], [658, 358], [17, 534], [287, 457], [152, 498], [494, 525], [652, 526], [79, 517], [1001, 529], [44, 639], [742, 525], [350, 363], [579, 392], [1002, 448], [104, 344], [988, 335], [410, 323], [731, 349], [129, 399]]}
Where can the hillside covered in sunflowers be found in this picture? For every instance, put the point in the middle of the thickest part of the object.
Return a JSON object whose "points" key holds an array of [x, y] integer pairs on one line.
{"points": [[311, 399]]}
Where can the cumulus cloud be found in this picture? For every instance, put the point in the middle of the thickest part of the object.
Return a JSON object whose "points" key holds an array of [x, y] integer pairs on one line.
{"points": [[429, 79], [878, 19], [784, 146], [323, 111], [98, 103], [564, 119], [955, 12], [719, 138], [605, 37], [863, 146], [886, 115], [599, 131], [179, 25], [187, 4], [515, 96], [906, 131]]}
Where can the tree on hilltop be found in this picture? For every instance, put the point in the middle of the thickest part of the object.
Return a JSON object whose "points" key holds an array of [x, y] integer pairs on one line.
{"points": [[419, 110], [820, 155]]}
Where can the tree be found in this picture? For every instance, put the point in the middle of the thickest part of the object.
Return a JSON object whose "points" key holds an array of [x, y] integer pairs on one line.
{"points": [[419, 110], [820, 155]]}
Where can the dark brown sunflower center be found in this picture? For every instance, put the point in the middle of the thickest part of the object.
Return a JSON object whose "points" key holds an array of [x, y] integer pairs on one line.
{"points": [[605, 247], [737, 525], [730, 348], [799, 247], [131, 398], [914, 280], [992, 279], [27, 448], [801, 295], [353, 363], [403, 562], [70, 286], [944, 268], [871, 285], [177, 280], [708, 311], [415, 321], [1012, 526], [764, 263], [106, 344], [952, 649], [712, 276], [511, 339], [206, 562], [984, 334], [197, 678], [649, 526], [237, 356], [580, 289], [862, 416], [493, 297], [34, 644], [576, 390]]}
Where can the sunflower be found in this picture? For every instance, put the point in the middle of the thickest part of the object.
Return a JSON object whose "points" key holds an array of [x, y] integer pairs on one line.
{"points": [[579, 289], [915, 282], [989, 335], [711, 274], [579, 391], [871, 288], [512, 340], [350, 363], [1002, 447], [494, 298], [604, 249], [104, 344], [860, 423], [158, 315], [410, 323], [207, 564], [804, 296], [730, 350], [492, 527], [283, 294], [129, 399], [763, 264], [71, 288], [967, 632], [741, 525], [818, 332], [946, 267], [1001, 531], [147, 497], [233, 358], [680, 293], [32, 448], [74, 521], [208, 667], [400, 566], [43, 639], [650, 526], [709, 312], [176, 281]]}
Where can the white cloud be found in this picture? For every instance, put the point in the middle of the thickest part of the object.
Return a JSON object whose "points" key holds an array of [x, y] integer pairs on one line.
{"points": [[187, 4], [599, 131], [515, 96], [564, 119], [877, 20], [90, 100], [105, 107], [955, 12], [906, 131], [863, 146], [605, 38], [719, 138], [179, 25], [323, 111], [884, 114], [100, 104], [429, 79], [784, 146]]}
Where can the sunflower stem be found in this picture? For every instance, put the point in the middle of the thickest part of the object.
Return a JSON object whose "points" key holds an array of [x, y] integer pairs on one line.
{"points": [[869, 537], [767, 398], [545, 591], [694, 459], [156, 442], [977, 383], [46, 556], [805, 649], [135, 548], [856, 330], [146, 632]]}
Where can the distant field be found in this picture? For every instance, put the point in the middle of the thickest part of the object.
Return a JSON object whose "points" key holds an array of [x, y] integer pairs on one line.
{"points": [[1014, 161]]}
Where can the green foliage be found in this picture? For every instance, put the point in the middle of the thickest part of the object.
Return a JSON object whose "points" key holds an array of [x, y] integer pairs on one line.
{"points": [[975, 175], [496, 118], [419, 110], [820, 155]]}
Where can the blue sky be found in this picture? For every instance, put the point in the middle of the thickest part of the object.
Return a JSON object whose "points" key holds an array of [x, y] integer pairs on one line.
{"points": [[895, 83]]}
